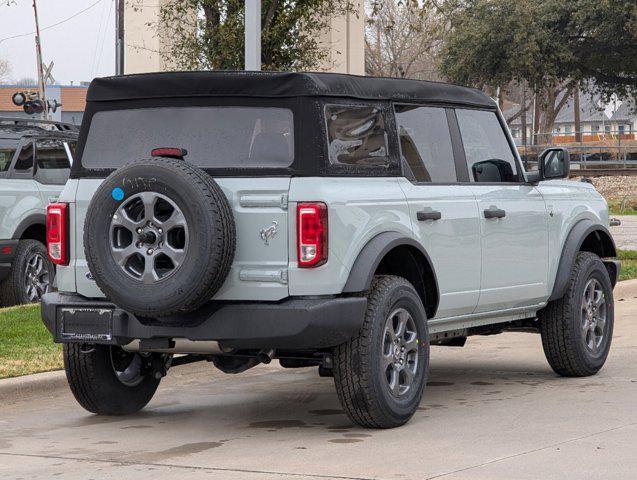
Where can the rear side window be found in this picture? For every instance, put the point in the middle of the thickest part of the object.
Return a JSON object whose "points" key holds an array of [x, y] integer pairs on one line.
{"points": [[7, 150], [356, 136], [24, 163], [216, 137], [53, 166], [425, 143], [486, 147]]}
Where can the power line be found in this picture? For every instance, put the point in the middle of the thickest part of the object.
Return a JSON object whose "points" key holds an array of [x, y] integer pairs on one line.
{"points": [[55, 24], [99, 59]]}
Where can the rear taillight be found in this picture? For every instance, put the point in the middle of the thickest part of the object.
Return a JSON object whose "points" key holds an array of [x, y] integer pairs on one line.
{"points": [[56, 233], [311, 224]]}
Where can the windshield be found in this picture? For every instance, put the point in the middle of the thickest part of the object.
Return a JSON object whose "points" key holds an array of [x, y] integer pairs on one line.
{"points": [[225, 137]]}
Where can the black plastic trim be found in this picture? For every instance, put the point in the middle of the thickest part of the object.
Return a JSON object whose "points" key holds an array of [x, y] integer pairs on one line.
{"points": [[294, 323], [33, 219], [572, 246], [362, 272]]}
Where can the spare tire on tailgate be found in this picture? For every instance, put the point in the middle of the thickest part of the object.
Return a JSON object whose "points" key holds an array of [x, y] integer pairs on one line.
{"points": [[159, 237]]}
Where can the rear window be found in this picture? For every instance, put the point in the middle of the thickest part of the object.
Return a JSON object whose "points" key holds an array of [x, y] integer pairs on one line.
{"points": [[216, 137], [53, 165], [7, 150], [356, 135]]}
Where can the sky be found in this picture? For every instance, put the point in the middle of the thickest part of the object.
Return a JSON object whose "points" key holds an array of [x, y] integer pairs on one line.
{"points": [[81, 48]]}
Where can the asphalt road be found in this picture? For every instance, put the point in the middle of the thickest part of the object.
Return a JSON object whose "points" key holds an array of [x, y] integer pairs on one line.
{"points": [[492, 410]]}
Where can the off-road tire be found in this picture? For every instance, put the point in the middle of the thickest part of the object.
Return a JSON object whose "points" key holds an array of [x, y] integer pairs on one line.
{"points": [[94, 384], [211, 245], [560, 322], [357, 363], [12, 288]]}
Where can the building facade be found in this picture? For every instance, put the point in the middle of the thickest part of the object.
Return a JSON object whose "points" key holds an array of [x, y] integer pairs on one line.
{"points": [[71, 97], [598, 121], [344, 40]]}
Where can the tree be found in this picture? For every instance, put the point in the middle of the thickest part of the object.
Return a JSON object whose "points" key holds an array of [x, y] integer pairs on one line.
{"points": [[209, 34], [402, 38], [551, 45], [5, 70]]}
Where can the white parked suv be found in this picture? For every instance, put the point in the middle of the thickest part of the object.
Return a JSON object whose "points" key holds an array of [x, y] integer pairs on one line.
{"points": [[35, 161], [325, 220]]}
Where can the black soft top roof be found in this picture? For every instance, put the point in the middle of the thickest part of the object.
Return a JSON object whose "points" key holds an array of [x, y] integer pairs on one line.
{"points": [[279, 85]]}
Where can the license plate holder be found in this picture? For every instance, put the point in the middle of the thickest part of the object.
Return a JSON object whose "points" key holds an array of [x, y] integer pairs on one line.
{"points": [[93, 325]]}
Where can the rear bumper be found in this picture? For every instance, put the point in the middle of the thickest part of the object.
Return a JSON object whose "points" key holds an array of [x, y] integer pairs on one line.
{"points": [[296, 323]]}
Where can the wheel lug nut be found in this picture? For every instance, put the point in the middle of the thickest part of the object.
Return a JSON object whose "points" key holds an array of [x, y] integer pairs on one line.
{"points": [[149, 251], [140, 230]]}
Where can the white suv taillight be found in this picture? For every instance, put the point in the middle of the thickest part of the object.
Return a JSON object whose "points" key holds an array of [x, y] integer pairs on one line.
{"points": [[311, 224], [56, 233]]}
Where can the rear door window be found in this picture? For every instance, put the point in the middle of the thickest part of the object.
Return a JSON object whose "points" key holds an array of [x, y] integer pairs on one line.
{"points": [[216, 137], [487, 150], [24, 162], [357, 136], [425, 143], [53, 165]]}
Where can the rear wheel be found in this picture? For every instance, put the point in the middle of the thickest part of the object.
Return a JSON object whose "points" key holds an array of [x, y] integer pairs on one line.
{"points": [[108, 380], [31, 274], [577, 329], [380, 374]]}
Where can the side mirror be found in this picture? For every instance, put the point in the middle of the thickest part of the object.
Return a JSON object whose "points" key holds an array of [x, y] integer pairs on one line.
{"points": [[554, 163]]}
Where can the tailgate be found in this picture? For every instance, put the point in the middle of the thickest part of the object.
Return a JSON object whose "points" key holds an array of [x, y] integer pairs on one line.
{"points": [[260, 267]]}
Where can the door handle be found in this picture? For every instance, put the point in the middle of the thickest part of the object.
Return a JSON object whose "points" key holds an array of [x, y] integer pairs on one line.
{"points": [[494, 212], [428, 215]]}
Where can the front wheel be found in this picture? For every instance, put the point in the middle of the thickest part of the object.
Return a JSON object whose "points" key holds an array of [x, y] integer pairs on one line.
{"points": [[577, 329], [380, 374], [108, 380]]}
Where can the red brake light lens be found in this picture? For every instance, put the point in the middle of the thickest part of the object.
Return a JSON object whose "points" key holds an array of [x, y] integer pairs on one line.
{"points": [[170, 152], [56, 233], [311, 224]]}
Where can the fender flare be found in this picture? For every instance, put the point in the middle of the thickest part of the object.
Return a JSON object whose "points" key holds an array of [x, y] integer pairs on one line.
{"points": [[362, 272], [572, 245], [29, 221]]}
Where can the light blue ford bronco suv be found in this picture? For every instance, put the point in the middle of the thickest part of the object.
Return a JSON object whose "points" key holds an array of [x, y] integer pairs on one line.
{"points": [[325, 220]]}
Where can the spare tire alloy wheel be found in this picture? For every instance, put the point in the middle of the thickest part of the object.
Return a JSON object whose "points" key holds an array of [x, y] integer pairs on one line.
{"points": [[149, 237], [159, 238]]}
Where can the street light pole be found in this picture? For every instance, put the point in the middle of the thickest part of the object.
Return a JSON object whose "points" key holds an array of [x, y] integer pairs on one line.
{"points": [[119, 38], [252, 28]]}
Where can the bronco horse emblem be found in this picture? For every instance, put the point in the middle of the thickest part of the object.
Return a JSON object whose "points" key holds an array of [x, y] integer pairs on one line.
{"points": [[269, 232]]}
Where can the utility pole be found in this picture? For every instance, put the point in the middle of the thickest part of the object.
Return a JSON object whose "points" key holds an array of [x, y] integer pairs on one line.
{"points": [[119, 37], [252, 28], [38, 51]]}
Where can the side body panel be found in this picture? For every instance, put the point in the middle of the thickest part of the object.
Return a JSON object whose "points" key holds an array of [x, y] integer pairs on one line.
{"points": [[514, 248], [568, 202], [453, 242], [358, 210], [19, 200]]}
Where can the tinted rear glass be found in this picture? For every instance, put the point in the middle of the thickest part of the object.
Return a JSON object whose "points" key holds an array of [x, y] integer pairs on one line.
{"points": [[357, 136], [217, 137]]}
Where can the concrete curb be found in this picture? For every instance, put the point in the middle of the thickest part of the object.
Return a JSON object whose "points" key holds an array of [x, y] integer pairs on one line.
{"points": [[50, 382], [18, 388]]}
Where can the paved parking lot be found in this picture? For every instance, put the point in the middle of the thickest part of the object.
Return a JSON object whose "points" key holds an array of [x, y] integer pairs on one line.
{"points": [[625, 235], [492, 410]]}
